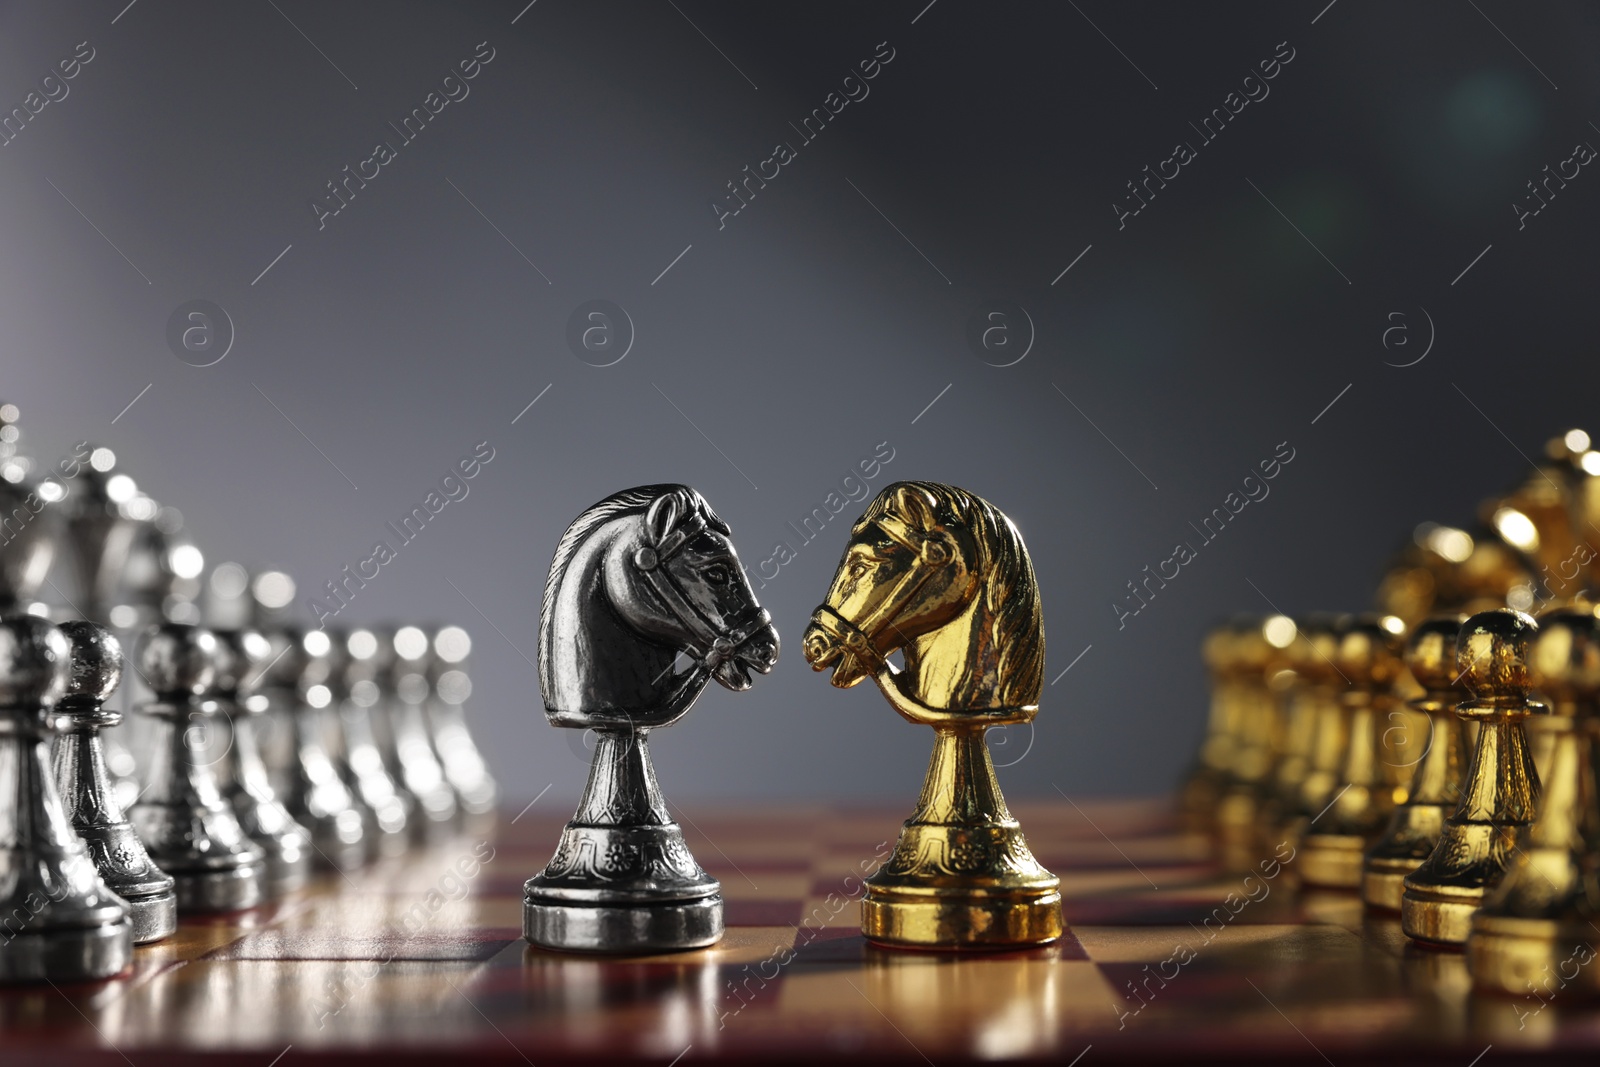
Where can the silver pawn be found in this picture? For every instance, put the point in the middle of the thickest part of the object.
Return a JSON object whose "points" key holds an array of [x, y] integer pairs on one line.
{"points": [[183, 820], [315, 793], [353, 695], [464, 766], [88, 794], [408, 750], [242, 654], [59, 921]]}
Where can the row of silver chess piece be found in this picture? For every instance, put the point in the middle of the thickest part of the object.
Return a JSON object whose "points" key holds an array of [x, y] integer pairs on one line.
{"points": [[257, 751], [376, 756]]}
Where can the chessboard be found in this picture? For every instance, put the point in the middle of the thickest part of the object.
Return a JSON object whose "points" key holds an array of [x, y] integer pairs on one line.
{"points": [[420, 959]]}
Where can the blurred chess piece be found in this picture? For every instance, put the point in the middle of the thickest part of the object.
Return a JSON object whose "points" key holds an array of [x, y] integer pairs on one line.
{"points": [[1307, 659], [87, 794], [62, 924], [1369, 657], [104, 515], [1245, 654], [1446, 569], [1545, 732], [1441, 767], [1541, 911], [190, 831], [161, 581], [101, 530], [315, 792], [351, 678], [241, 656], [404, 691], [1540, 519], [28, 532], [943, 577], [1501, 793], [638, 579], [464, 766], [1330, 740], [1209, 779], [1263, 678], [158, 582]]}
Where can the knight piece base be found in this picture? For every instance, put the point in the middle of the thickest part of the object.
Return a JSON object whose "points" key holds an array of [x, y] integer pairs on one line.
{"points": [[220, 891], [154, 918], [1518, 956], [640, 929], [82, 955], [958, 919], [1441, 915]]}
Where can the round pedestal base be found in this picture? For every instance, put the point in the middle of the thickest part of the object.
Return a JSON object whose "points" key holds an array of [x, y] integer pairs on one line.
{"points": [[955, 920], [1440, 918], [1522, 956], [639, 929], [217, 891], [1383, 886], [68, 955], [154, 918], [1332, 861]]}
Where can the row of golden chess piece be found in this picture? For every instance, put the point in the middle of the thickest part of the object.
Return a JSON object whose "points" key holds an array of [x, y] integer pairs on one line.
{"points": [[1450, 773]]}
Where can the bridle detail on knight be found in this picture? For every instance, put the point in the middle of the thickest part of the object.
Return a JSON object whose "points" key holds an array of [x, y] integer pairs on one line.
{"points": [[712, 644], [942, 577]]}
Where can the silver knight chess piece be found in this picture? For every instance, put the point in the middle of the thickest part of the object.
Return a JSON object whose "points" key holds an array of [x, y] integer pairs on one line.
{"points": [[182, 819], [639, 578], [58, 920], [88, 794]]}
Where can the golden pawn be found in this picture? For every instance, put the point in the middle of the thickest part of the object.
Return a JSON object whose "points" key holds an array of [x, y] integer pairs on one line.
{"points": [[1331, 851], [942, 576], [1539, 920], [1259, 660], [1415, 826], [1330, 735], [1502, 788], [1309, 657], [1210, 777], [1545, 731]]}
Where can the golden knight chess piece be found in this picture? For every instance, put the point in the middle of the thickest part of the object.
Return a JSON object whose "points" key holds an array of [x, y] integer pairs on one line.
{"points": [[1540, 918], [1435, 790], [942, 577], [1369, 658], [1502, 788]]}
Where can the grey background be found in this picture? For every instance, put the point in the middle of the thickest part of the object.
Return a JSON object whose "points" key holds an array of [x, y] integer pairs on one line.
{"points": [[1217, 323]]}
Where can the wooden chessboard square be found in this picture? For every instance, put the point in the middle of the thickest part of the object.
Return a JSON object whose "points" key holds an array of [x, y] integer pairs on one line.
{"points": [[268, 1005], [1002, 1005], [764, 885], [1236, 946], [762, 912]]}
